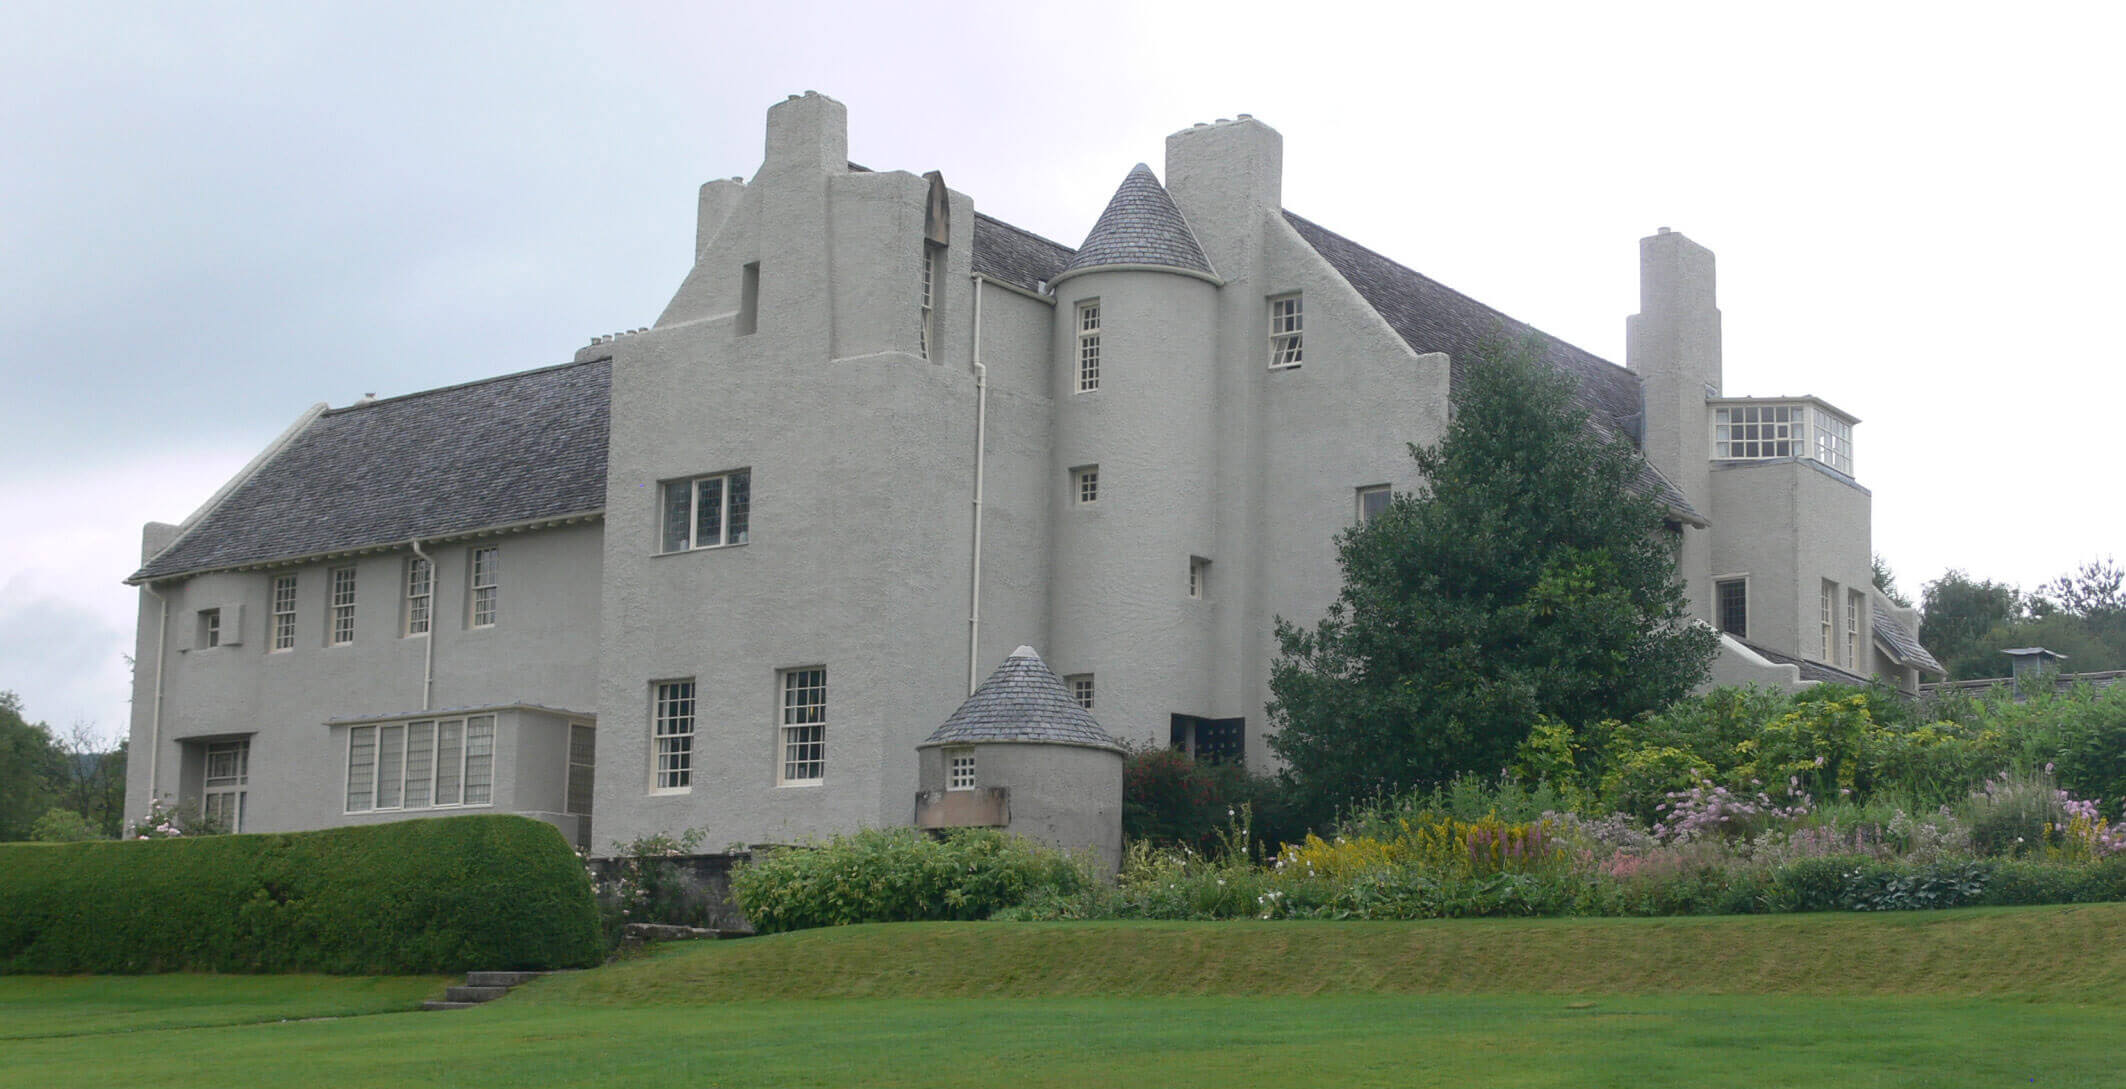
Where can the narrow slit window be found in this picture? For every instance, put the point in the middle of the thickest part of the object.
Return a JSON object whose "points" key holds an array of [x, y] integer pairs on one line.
{"points": [[283, 612], [420, 593], [749, 299], [1088, 346], [342, 631]]}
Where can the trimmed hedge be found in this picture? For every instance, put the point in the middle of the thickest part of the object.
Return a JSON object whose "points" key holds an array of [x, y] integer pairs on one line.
{"points": [[445, 895]]}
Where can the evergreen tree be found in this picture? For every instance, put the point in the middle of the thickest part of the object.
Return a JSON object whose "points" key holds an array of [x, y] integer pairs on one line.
{"points": [[1531, 577]]}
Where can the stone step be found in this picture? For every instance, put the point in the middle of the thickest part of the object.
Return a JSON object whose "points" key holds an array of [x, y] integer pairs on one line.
{"points": [[499, 979], [474, 994], [433, 1004]]}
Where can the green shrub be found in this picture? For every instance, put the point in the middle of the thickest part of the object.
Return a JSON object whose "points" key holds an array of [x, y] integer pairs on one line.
{"points": [[62, 825], [887, 875], [409, 897], [1171, 799]]}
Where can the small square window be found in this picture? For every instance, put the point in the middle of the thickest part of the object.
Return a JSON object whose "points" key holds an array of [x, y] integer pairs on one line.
{"points": [[1081, 689], [1286, 333], [1371, 502], [959, 773], [1085, 483]]}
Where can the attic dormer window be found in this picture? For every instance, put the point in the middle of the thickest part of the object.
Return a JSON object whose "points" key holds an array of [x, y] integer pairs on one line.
{"points": [[1285, 332]]}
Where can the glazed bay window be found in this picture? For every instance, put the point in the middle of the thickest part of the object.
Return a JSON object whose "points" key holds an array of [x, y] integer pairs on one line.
{"points": [[1768, 430], [283, 613], [1088, 346], [341, 631], [804, 726], [486, 568], [1286, 332], [707, 511], [672, 731], [427, 764]]}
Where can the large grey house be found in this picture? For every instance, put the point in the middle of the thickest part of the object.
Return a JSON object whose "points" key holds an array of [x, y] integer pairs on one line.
{"points": [[729, 571]]}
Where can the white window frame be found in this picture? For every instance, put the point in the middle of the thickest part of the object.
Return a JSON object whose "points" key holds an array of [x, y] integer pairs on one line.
{"points": [[1085, 485], [674, 710], [1081, 689], [228, 791], [1287, 331], [959, 769], [927, 334], [1088, 325], [420, 595], [727, 535], [339, 619], [1199, 577], [1852, 629], [459, 773], [1829, 608], [483, 572], [801, 731], [209, 628], [1384, 491], [1834, 441], [281, 598]]}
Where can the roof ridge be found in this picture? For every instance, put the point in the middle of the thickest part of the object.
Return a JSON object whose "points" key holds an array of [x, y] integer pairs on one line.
{"points": [[464, 385], [1348, 240]]}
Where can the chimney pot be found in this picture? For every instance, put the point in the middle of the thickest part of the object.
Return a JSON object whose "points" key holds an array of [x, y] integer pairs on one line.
{"points": [[1663, 230]]}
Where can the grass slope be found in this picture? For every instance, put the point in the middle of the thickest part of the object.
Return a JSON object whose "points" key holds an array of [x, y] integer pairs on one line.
{"points": [[2073, 953]]}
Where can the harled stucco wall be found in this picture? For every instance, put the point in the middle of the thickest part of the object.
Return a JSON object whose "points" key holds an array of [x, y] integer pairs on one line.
{"points": [[541, 650], [1791, 524], [1066, 796]]}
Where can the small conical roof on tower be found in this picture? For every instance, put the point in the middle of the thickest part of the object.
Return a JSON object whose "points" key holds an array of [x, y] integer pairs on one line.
{"points": [[1023, 701], [1142, 226]]}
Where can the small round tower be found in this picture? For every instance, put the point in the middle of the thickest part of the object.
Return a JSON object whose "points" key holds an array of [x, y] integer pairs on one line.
{"points": [[1021, 755]]}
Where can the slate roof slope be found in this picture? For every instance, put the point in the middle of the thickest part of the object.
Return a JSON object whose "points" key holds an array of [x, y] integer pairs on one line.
{"points": [[1141, 226], [1022, 701], [1810, 671], [1016, 256], [1432, 317], [501, 451], [1902, 645]]}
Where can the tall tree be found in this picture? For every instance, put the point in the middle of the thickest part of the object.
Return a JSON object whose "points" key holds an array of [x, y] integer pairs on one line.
{"points": [[1530, 577], [1886, 581], [1958, 614], [32, 768]]}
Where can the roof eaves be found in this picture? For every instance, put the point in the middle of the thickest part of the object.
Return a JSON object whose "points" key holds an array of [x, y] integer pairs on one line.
{"points": [[472, 533]]}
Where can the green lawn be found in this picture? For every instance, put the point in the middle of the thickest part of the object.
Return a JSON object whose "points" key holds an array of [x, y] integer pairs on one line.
{"points": [[1972, 998]]}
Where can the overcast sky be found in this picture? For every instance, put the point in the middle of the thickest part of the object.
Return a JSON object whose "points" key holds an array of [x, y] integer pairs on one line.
{"points": [[214, 215]]}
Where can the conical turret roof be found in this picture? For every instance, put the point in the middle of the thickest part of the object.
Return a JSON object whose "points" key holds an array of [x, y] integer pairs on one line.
{"points": [[1141, 226], [1022, 701]]}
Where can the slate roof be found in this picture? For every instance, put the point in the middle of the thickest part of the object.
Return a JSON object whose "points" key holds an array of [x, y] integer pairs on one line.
{"points": [[502, 451], [1141, 226], [1432, 317], [1901, 644], [1810, 671], [1014, 256], [1023, 701]]}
